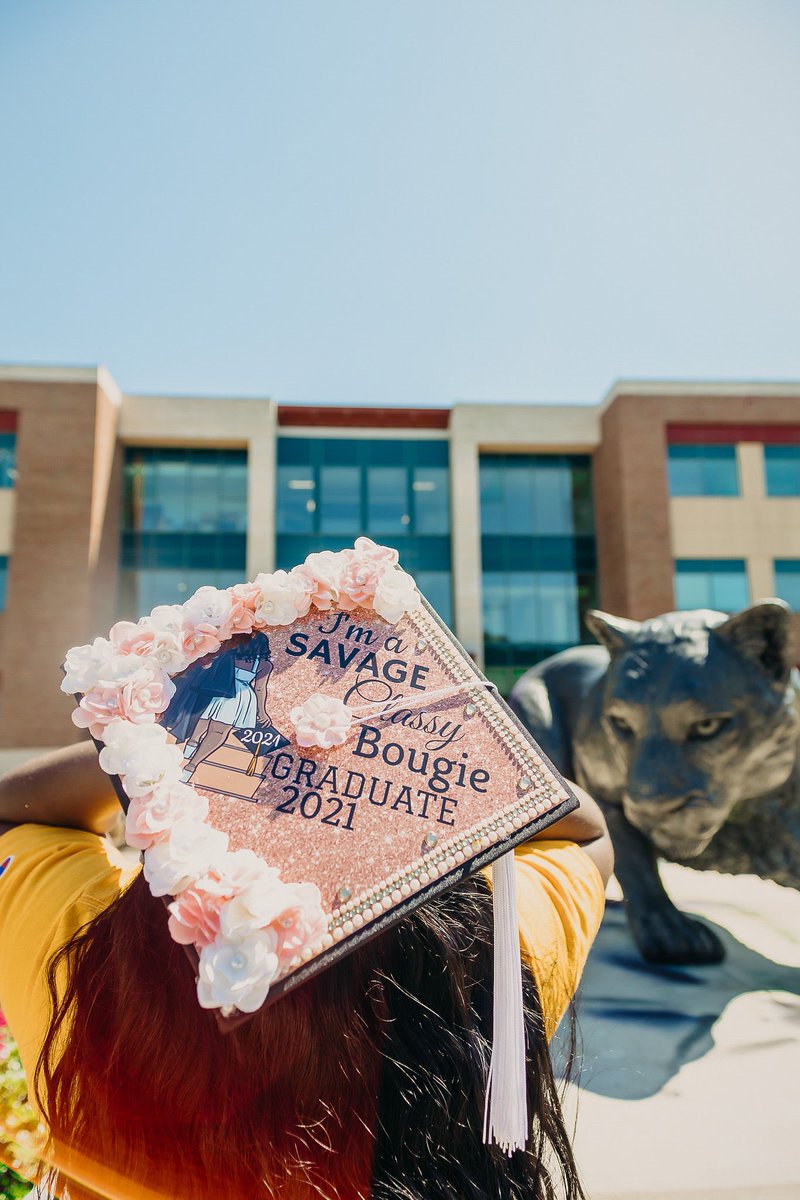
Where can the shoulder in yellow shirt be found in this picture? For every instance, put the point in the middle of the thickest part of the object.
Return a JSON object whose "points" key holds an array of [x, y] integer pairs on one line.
{"points": [[59, 879]]}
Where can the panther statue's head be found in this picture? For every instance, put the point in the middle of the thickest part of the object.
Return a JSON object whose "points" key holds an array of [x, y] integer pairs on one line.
{"points": [[699, 711]]}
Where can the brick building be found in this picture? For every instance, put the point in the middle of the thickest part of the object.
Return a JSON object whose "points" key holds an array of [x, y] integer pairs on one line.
{"points": [[513, 518]]}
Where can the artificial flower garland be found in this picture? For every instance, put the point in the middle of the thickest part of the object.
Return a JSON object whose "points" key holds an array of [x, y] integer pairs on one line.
{"points": [[247, 925]]}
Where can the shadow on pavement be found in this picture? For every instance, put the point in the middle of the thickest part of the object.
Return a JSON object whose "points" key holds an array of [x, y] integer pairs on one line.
{"points": [[639, 1023]]}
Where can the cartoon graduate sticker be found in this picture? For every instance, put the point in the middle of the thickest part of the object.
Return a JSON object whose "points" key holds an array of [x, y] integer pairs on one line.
{"points": [[226, 695]]}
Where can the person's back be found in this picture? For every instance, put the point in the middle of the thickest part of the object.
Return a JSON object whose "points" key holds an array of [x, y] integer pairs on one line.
{"points": [[365, 1082]]}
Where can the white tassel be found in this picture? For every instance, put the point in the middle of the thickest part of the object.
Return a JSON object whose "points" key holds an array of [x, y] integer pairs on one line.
{"points": [[506, 1115]]}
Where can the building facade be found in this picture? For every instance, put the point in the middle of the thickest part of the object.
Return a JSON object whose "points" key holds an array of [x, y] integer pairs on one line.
{"points": [[514, 519]]}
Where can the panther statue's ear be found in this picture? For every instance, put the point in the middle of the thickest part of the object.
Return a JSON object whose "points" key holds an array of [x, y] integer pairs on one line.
{"points": [[761, 633], [615, 633]]}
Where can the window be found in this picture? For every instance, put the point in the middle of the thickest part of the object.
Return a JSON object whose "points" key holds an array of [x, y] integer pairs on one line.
{"points": [[8, 460], [538, 558], [184, 524], [535, 494], [782, 468], [397, 490], [703, 471], [787, 581], [719, 583]]}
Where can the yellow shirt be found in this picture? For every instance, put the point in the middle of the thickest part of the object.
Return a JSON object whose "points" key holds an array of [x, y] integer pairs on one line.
{"points": [[58, 879]]}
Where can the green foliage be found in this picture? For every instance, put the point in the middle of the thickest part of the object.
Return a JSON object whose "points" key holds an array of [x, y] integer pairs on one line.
{"points": [[20, 1132], [11, 1185]]}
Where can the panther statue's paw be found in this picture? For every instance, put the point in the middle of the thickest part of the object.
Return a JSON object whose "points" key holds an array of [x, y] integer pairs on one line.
{"points": [[666, 935]]}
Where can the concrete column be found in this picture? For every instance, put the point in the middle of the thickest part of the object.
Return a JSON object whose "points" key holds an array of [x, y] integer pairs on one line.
{"points": [[760, 577], [261, 485], [466, 541], [750, 459]]}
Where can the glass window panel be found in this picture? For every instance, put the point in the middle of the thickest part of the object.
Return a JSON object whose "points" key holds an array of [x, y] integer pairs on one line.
{"points": [[552, 499], [582, 500], [521, 608], [173, 490], [387, 500], [787, 581], [437, 589], [782, 468], [700, 470], [430, 492], [525, 608], [492, 498], [495, 623], [519, 486], [141, 590], [8, 460], [719, 584], [297, 500], [729, 591], [528, 494], [557, 608], [340, 500], [233, 498], [294, 452], [202, 497]]}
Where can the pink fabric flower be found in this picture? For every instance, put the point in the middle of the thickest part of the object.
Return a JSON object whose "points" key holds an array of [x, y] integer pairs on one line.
{"points": [[302, 923], [147, 640], [196, 912], [321, 572], [359, 579], [150, 818], [134, 689], [321, 721], [245, 598], [364, 547], [128, 638], [199, 640], [194, 916]]}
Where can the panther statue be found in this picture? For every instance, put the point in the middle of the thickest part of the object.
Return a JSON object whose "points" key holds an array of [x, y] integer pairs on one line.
{"points": [[685, 729]]}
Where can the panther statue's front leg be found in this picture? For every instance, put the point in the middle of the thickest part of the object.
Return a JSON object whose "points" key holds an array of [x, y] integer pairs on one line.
{"points": [[662, 933]]}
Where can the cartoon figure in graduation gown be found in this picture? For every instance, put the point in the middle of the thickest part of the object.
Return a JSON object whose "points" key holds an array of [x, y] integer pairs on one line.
{"points": [[229, 695]]}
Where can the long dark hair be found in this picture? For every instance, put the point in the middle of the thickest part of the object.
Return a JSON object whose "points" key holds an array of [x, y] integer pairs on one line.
{"points": [[135, 1075]]}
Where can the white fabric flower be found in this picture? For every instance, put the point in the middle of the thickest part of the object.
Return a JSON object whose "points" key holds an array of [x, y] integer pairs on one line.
{"points": [[191, 850], [169, 653], [85, 664], [152, 765], [323, 571], [123, 739], [395, 595], [285, 597], [321, 721], [208, 606], [237, 974], [168, 618], [254, 907], [237, 870]]}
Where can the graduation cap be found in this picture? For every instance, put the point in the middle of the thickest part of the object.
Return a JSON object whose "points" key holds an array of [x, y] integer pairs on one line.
{"points": [[303, 760]]}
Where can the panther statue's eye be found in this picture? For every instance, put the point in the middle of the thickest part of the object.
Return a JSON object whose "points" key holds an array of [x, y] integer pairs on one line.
{"points": [[708, 727], [620, 725]]}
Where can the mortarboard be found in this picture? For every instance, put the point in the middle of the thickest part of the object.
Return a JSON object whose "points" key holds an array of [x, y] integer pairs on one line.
{"points": [[304, 759]]}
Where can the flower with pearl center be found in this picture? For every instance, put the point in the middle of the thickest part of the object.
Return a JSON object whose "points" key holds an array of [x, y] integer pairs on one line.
{"points": [[321, 721], [237, 974]]}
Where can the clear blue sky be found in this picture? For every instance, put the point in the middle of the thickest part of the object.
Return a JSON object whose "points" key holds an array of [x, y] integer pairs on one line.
{"points": [[401, 201]]}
